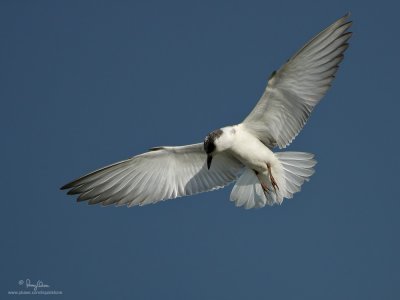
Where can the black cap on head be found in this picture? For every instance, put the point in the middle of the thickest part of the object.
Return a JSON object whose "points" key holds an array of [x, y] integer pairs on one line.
{"points": [[209, 145]]}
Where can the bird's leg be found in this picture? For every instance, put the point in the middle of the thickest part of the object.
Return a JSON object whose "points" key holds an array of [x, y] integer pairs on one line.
{"points": [[273, 182], [264, 186]]}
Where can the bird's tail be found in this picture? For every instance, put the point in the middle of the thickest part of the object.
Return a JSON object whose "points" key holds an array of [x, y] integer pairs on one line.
{"points": [[290, 172]]}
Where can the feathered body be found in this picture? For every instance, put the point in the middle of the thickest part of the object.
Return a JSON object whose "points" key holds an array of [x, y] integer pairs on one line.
{"points": [[241, 153], [255, 188]]}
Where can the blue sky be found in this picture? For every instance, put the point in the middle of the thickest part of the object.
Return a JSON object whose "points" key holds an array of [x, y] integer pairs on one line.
{"points": [[88, 83]]}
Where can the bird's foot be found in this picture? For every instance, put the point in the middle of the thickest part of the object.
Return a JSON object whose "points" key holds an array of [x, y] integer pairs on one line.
{"points": [[273, 182], [263, 185]]}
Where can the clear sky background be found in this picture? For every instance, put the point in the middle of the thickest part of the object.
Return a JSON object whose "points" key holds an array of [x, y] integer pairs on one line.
{"points": [[88, 83]]}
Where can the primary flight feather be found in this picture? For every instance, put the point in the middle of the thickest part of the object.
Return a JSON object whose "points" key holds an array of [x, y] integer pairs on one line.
{"points": [[241, 153]]}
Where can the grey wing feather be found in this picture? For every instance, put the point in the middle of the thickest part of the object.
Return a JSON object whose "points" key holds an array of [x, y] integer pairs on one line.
{"points": [[160, 174], [297, 87]]}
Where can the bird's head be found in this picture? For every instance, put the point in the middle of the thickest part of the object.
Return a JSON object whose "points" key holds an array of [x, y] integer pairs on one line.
{"points": [[218, 141]]}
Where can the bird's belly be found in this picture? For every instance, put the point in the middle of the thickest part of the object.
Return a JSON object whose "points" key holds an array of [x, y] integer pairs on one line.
{"points": [[253, 154]]}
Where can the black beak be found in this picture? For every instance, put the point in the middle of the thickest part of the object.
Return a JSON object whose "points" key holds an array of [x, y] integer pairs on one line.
{"points": [[209, 159]]}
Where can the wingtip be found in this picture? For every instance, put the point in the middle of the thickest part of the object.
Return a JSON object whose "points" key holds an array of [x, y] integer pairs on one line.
{"points": [[156, 148], [68, 186], [347, 15], [64, 187]]}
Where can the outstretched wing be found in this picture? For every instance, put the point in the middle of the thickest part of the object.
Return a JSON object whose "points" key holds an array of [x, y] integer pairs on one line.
{"points": [[160, 174], [296, 88]]}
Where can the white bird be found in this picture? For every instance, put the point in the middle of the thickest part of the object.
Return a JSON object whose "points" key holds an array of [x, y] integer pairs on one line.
{"points": [[241, 153]]}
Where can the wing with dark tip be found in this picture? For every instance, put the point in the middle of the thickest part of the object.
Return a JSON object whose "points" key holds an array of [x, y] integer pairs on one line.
{"points": [[160, 174], [296, 88]]}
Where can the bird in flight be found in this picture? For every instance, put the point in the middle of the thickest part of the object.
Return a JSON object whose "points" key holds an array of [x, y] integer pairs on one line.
{"points": [[241, 153]]}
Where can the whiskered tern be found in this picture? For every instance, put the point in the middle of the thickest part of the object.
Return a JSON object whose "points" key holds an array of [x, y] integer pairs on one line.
{"points": [[241, 153]]}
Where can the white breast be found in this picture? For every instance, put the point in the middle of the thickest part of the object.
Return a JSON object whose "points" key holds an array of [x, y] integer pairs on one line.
{"points": [[251, 151]]}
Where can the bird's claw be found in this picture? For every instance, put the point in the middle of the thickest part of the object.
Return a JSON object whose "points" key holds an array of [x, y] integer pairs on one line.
{"points": [[264, 187], [273, 182], [272, 179]]}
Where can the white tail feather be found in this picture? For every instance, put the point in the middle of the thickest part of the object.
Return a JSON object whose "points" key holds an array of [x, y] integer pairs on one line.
{"points": [[297, 168], [292, 169], [248, 192]]}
